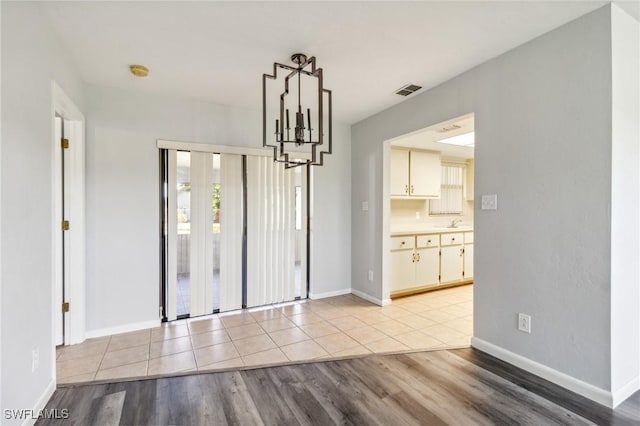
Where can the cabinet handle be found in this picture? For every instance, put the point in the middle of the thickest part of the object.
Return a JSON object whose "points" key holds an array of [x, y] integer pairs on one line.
{"points": [[406, 189], [413, 258], [418, 254], [412, 189], [461, 252], [402, 243]]}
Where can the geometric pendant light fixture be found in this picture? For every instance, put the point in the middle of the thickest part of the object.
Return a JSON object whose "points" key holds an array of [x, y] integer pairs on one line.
{"points": [[296, 113]]}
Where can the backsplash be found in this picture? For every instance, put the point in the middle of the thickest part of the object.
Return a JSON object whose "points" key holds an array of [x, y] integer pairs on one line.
{"points": [[403, 211]]}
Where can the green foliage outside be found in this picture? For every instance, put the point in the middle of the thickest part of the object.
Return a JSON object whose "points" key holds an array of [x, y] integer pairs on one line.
{"points": [[184, 227]]}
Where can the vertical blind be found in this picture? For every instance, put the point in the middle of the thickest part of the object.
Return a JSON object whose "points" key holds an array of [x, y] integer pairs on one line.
{"points": [[231, 224], [451, 191], [270, 232]]}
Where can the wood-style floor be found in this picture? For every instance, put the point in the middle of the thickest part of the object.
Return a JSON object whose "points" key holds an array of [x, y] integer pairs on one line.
{"points": [[458, 387]]}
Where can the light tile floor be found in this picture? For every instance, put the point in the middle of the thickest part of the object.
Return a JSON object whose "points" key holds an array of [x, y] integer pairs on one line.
{"points": [[304, 330]]}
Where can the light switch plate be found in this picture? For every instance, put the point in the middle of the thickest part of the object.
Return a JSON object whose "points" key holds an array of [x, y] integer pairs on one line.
{"points": [[365, 206], [490, 202]]}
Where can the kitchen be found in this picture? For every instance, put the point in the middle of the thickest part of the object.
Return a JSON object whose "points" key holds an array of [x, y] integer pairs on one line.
{"points": [[431, 208]]}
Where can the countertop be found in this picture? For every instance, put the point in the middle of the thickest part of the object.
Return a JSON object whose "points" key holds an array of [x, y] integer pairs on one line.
{"points": [[411, 229]]}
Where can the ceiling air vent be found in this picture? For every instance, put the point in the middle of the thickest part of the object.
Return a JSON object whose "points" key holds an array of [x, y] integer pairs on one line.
{"points": [[408, 89]]}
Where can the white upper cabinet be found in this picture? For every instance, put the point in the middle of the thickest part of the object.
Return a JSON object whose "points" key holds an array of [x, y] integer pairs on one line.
{"points": [[399, 185], [424, 174], [415, 173]]}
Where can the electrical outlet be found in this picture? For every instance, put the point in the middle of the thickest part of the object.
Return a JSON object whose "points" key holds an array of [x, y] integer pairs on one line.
{"points": [[365, 206], [524, 323], [370, 275], [35, 359], [490, 202], [417, 215]]}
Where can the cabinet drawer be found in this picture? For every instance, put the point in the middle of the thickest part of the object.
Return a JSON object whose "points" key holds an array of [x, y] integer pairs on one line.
{"points": [[428, 241], [400, 243], [468, 237], [451, 239]]}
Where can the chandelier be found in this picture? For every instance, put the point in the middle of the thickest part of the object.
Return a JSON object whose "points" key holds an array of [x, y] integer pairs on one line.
{"points": [[301, 144]]}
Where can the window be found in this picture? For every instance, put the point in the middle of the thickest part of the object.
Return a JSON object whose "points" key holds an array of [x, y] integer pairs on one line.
{"points": [[451, 191]]}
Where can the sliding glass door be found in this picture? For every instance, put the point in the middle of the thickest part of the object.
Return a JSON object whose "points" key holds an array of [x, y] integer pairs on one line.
{"points": [[234, 233]]}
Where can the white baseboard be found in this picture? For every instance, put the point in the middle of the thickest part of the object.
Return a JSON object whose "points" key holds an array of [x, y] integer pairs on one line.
{"points": [[585, 389], [625, 391], [122, 328], [41, 403], [340, 292], [370, 298]]}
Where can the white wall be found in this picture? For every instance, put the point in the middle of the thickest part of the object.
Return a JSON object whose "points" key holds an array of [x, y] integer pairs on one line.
{"points": [[31, 58], [123, 198], [543, 144], [625, 205]]}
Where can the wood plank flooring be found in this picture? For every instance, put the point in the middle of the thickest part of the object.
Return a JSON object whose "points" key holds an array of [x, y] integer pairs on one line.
{"points": [[458, 387]]}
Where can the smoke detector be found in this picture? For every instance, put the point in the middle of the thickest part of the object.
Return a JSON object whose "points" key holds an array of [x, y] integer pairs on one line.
{"points": [[408, 89]]}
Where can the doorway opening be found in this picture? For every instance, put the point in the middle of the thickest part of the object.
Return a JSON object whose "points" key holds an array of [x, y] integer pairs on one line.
{"points": [[429, 226]]}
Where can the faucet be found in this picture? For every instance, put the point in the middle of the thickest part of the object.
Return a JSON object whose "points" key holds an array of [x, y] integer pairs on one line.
{"points": [[454, 223]]}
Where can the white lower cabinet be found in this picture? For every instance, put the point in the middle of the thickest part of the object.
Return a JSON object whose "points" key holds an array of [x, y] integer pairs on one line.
{"points": [[427, 265], [468, 255], [414, 262], [403, 273], [468, 261], [451, 257], [451, 263], [423, 261]]}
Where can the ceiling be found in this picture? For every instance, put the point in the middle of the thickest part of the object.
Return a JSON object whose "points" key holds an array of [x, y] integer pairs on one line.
{"points": [[218, 51], [427, 138]]}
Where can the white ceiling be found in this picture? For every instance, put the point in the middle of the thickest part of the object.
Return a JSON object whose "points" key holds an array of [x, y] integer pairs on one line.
{"points": [[427, 138], [219, 50]]}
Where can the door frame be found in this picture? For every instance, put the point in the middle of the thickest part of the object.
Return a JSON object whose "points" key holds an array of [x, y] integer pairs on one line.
{"points": [[74, 267]]}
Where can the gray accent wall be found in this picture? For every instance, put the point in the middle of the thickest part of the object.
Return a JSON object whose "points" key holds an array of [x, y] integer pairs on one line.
{"points": [[543, 145], [31, 58]]}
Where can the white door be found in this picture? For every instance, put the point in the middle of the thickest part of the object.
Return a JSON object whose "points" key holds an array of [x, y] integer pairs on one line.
{"points": [[399, 183], [451, 260], [468, 261], [425, 178], [60, 280]]}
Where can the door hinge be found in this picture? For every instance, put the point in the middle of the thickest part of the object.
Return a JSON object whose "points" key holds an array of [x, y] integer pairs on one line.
{"points": [[65, 225], [160, 311], [65, 307], [439, 277], [64, 143]]}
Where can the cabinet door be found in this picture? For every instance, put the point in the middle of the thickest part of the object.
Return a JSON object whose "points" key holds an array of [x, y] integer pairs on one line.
{"points": [[468, 261], [451, 262], [399, 184], [425, 174], [427, 266], [402, 269]]}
